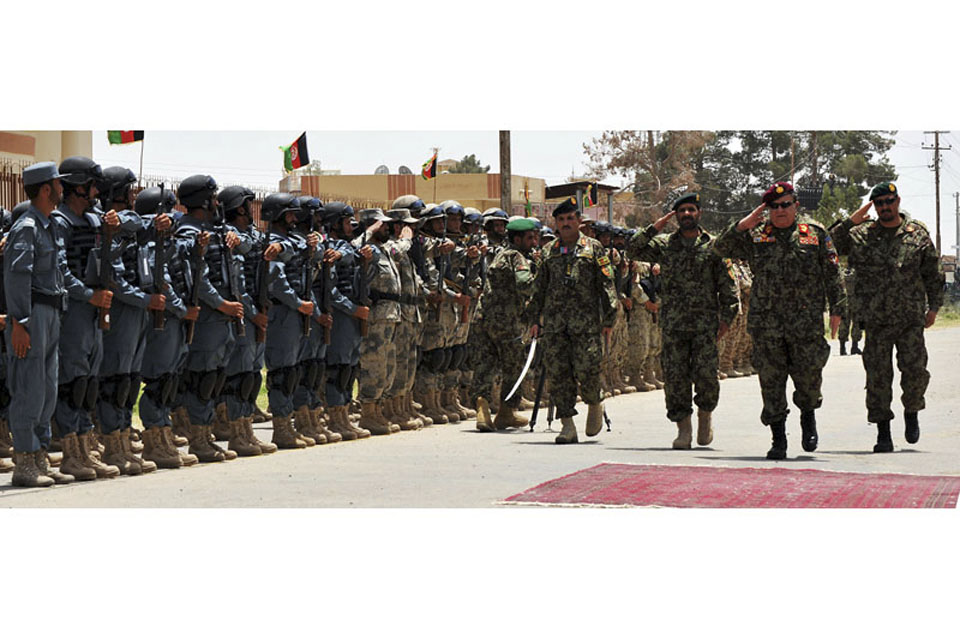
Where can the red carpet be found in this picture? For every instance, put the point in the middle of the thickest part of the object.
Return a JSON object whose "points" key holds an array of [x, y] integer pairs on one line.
{"points": [[674, 486]]}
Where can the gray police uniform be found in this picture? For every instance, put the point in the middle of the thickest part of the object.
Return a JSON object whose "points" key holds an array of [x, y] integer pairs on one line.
{"points": [[343, 353], [33, 278], [312, 359]]}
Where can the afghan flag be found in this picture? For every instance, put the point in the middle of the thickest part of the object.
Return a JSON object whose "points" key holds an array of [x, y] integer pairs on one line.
{"points": [[590, 196], [430, 167], [527, 207], [296, 156], [124, 137]]}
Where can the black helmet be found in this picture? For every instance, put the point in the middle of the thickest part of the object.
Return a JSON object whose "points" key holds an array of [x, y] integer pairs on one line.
{"points": [[277, 204], [233, 197], [7, 219], [115, 183], [78, 170], [492, 214], [197, 192], [432, 211], [333, 211], [410, 202], [148, 202], [309, 206], [18, 211]]}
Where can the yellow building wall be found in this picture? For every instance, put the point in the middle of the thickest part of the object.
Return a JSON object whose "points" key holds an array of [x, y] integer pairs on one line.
{"points": [[47, 145]]}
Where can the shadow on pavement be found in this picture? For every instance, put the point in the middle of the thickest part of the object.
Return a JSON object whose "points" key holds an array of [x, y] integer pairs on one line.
{"points": [[554, 444], [764, 458]]}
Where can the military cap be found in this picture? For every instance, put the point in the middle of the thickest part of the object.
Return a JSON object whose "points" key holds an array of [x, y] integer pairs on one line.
{"points": [[522, 225], [567, 206], [401, 215], [373, 215], [39, 173], [884, 189], [778, 190], [691, 198]]}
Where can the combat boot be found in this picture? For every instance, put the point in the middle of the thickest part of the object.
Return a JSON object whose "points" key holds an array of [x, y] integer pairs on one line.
{"points": [[390, 409], [6, 467], [484, 419], [43, 465], [320, 425], [26, 473], [170, 443], [843, 347], [431, 409], [338, 425], [622, 384], [778, 450], [912, 432], [415, 412], [221, 422], [568, 434], [201, 446], [246, 425], [303, 425], [127, 441], [405, 415], [650, 376], [369, 420], [507, 418], [135, 440], [6, 440], [594, 419], [443, 403], [684, 439], [855, 349], [884, 441], [259, 415], [360, 432], [808, 430], [155, 450], [284, 435], [721, 375], [74, 462], [88, 441], [642, 384], [704, 427], [463, 395], [392, 424], [466, 413], [239, 442], [181, 426]]}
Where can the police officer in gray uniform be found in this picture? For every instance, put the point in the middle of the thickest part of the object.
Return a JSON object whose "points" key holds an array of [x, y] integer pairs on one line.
{"points": [[81, 236], [6, 444], [214, 333], [35, 296]]}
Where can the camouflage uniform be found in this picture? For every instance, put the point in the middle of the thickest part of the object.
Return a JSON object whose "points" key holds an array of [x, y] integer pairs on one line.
{"points": [[899, 279], [378, 355], [574, 297], [850, 325], [407, 336], [743, 351], [638, 328], [727, 345], [698, 293], [794, 269]]}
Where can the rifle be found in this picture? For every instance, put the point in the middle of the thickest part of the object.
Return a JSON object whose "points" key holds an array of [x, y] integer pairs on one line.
{"points": [[106, 266], [364, 293], [308, 276], [550, 410], [325, 305], [619, 283], [197, 261], [443, 265], [233, 284], [263, 296], [159, 261]]}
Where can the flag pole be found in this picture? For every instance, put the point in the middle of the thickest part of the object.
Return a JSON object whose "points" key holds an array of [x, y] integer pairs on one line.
{"points": [[436, 178], [140, 175]]}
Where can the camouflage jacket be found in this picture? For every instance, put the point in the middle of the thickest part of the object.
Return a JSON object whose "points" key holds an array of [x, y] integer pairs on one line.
{"points": [[509, 285], [795, 271], [898, 271], [574, 290], [698, 289]]}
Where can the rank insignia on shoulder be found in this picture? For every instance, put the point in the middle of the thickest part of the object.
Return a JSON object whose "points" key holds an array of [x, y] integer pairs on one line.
{"points": [[910, 228], [813, 240], [607, 271], [603, 261], [804, 229]]}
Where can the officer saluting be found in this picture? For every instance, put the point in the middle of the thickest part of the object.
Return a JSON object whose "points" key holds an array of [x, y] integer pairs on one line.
{"points": [[35, 296]]}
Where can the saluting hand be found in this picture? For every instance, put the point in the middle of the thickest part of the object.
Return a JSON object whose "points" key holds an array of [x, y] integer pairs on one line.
{"points": [[862, 214], [662, 222], [367, 252], [406, 233], [20, 340], [753, 219]]}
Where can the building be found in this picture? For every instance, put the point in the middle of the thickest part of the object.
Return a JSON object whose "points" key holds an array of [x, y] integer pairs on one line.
{"points": [[26, 147]]}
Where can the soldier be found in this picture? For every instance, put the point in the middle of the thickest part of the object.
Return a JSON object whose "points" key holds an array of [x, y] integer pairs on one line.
{"points": [[727, 343], [499, 328], [638, 327], [89, 270], [898, 294], [795, 268], [166, 349], [699, 303], [34, 296], [573, 298], [743, 349], [650, 284], [378, 354], [202, 243], [6, 444], [343, 352], [850, 324]]}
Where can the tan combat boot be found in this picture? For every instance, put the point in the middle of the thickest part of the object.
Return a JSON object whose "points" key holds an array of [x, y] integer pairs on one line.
{"points": [[43, 465], [74, 462], [259, 415], [181, 426], [416, 410], [444, 403], [568, 434], [320, 426], [27, 474], [370, 421], [704, 428], [407, 420], [136, 440], [650, 376], [507, 418], [239, 442], [684, 434], [303, 425], [156, 451], [431, 409], [484, 419], [246, 425], [6, 467], [623, 385], [465, 412], [388, 409], [393, 425], [594, 419], [127, 442], [338, 425], [284, 435], [221, 422], [170, 443], [88, 443], [202, 447], [6, 439], [360, 432]]}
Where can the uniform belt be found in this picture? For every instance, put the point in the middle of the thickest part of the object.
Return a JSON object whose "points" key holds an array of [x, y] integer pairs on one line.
{"points": [[55, 301], [376, 296]]}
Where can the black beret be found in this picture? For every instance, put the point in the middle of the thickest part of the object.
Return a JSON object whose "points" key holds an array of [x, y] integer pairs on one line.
{"points": [[567, 206]]}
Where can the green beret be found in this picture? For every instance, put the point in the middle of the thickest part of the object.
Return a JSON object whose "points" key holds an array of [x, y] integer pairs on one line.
{"points": [[567, 206], [522, 224], [692, 198], [884, 189]]}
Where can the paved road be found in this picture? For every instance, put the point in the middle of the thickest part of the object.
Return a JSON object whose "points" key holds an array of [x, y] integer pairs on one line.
{"points": [[456, 466]]}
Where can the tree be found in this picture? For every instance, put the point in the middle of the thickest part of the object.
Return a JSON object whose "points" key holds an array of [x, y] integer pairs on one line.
{"points": [[469, 164]]}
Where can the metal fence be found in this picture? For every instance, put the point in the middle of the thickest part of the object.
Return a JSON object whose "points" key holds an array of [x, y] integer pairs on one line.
{"points": [[11, 183]]}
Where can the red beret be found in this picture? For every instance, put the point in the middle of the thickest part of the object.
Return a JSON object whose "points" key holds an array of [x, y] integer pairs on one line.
{"points": [[778, 190]]}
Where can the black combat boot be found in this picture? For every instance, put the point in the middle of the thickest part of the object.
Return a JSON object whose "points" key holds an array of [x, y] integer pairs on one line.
{"points": [[808, 426], [843, 347], [912, 432], [884, 441], [779, 449], [855, 349]]}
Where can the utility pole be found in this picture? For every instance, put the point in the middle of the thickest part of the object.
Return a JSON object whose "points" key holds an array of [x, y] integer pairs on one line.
{"points": [[792, 164], [936, 172], [956, 197], [506, 203], [815, 183]]}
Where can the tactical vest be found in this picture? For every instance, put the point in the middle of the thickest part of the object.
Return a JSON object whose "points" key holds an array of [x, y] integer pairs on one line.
{"points": [[348, 274], [179, 275], [251, 263], [83, 240], [297, 269], [215, 264]]}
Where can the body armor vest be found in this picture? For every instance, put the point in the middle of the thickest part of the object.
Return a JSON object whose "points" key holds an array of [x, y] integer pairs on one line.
{"points": [[84, 238]]}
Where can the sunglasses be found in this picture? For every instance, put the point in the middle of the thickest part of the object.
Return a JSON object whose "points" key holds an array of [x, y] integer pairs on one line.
{"points": [[882, 202], [780, 205]]}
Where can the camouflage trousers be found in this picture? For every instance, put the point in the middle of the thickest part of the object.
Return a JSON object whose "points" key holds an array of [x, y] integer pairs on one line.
{"points": [[655, 344], [378, 361], [572, 359], [689, 360], [849, 327], [495, 352], [616, 356], [638, 333], [407, 340], [878, 363], [779, 352], [457, 338], [743, 350]]}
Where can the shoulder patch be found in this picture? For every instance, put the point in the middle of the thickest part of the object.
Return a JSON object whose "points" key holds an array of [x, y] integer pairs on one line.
{"points": [[603, 261], [29, 222]]}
